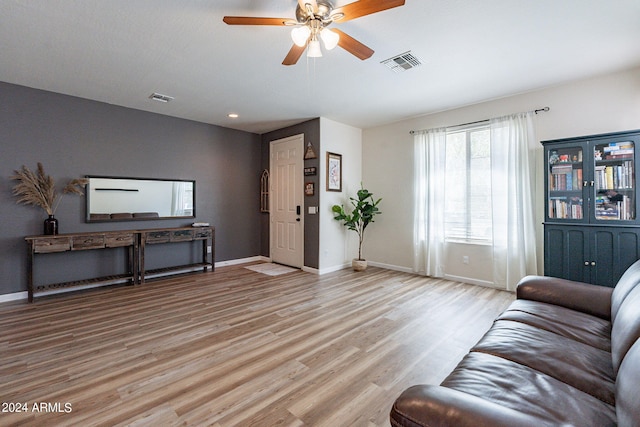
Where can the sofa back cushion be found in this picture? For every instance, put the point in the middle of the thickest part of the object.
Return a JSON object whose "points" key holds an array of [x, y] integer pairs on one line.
{"points": [[625, 329], [627, 396], [626, 284]]}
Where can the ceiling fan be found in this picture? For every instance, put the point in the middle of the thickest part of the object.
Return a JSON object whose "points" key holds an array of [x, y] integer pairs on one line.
{"points": [[312, 19]]}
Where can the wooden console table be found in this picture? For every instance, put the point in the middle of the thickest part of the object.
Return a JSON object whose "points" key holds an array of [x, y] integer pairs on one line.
{"points": [[134, 240], [173, 235], [82, 242]]}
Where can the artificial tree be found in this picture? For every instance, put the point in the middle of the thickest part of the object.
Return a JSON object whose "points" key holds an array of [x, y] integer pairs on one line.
{"points": [[364, 209]]}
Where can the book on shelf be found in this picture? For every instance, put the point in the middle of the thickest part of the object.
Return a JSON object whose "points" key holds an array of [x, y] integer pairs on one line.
{"points": [[622, 210], [618, 146], [565, 177], [565, 208], [609, 177], [619, 156], [614, 176]]}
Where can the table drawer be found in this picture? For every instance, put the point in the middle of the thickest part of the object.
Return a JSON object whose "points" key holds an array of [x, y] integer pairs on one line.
{"points": [[156, 236], [93, 241], [51, 244], [181, 235], [201, 234], [117, 240]]}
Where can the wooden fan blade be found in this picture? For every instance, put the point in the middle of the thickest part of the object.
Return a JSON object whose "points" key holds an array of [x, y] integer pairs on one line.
{"points": [[352, 45], [313, 4], [365, 7], [249, 20], [294, 54]]}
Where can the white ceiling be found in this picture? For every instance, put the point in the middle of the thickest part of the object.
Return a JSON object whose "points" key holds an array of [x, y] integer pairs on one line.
{"points": [[121, 51]]}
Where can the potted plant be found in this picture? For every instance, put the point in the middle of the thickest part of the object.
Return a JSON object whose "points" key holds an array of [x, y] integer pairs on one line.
{"points": [[38, 189], [364, 208]]}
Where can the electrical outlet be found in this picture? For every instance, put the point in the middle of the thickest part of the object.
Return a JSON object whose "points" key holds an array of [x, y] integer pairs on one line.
{"points": [[465, 259], [208, 249]]}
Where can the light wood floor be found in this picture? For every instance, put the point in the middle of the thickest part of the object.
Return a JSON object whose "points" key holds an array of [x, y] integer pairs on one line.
{"points": [[237, 348]]}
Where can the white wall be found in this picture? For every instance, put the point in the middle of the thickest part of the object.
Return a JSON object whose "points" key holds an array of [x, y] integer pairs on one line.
{"points": [[337, 244], [603, 104]]}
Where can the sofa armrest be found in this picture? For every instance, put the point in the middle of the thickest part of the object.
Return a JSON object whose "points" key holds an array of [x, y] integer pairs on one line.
{"points": [[584, 297], [436, 406]]}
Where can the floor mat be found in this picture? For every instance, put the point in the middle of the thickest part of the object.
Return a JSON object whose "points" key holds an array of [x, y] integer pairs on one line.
{"points": [[271, 269]]}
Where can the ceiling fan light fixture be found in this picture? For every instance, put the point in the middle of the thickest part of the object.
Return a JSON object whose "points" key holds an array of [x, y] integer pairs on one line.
{"points": [[311, 19], [300, 35], [313, 50], [329, 38]]}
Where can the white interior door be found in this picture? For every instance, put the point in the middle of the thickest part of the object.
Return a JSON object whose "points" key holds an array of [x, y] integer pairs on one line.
{"points": [[287, 219]]}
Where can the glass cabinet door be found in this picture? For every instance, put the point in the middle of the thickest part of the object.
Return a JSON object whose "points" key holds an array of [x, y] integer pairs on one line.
{"points": [[565, 183], [614, 181]]}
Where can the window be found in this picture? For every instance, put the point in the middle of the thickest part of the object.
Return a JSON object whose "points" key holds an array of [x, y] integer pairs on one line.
{"points": [[467, 194]]}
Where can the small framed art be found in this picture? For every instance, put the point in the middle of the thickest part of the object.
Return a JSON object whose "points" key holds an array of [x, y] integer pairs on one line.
{"points": [[309, 189], [334, 172]]}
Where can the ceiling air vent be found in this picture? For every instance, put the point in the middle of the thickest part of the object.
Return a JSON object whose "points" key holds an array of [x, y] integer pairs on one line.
{"points": [[160, 97], [403, 62]]}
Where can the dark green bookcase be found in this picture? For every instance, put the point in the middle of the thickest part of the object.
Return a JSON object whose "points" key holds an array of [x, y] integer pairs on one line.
{"points": [[591, 228]]}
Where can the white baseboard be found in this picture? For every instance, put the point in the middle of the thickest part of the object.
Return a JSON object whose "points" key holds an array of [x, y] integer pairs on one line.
{"points": [[471, 281], [334, 268], [391, 267], [311, 270], [15, 296], [371, 263]]}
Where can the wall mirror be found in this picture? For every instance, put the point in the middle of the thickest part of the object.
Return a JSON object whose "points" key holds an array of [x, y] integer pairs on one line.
{"points": [[129, 199]]}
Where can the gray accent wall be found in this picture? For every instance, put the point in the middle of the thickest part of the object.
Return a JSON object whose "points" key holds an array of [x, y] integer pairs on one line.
{"points": [[74, 137]]}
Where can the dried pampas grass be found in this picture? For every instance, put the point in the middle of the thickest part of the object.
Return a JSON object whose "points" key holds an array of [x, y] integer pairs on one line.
{"points": [[38, 188]]}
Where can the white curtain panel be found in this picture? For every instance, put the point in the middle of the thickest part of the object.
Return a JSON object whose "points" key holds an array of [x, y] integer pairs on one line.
{"points": [[429, 187], [512, 188], [514, 241]]}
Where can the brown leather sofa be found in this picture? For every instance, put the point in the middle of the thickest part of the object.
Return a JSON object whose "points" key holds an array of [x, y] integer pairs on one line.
{"points": [[564, 353]]}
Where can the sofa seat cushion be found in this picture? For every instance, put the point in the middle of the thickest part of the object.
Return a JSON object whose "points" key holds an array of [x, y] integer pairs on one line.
{"points": [[576, 325], [579, 365], [528, 391]]}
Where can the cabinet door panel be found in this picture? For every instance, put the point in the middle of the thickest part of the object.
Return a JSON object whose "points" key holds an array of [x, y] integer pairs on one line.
{"points": [[565, 253], [564, 178], [614, 189], [577, 255], [613, 251], [603, 245], [628, 250], [554, 252]]}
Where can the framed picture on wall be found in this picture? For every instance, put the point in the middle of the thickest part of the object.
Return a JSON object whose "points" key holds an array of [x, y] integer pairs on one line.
{"points": [[309, 188], [334, 172]]}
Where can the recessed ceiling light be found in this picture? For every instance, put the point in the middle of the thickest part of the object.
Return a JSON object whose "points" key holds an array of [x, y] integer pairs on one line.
{"points": [[233, 115]]}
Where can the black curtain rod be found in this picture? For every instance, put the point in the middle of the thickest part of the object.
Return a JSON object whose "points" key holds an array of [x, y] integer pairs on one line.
{"points": [[486, 120]]}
